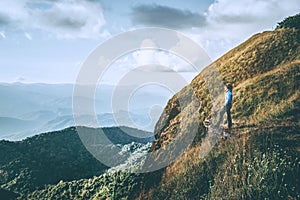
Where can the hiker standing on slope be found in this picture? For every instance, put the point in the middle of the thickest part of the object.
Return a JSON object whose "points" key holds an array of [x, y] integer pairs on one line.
{"points": [[228, 104], [227, 107]]}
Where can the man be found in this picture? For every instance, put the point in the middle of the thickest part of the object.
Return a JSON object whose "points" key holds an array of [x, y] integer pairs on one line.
{"points": [[227, 107], [228, 104]]}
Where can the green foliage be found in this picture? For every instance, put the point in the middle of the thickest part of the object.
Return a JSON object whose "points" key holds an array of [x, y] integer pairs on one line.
{"points": [[7, 195], [45, 159], [113, 185], [290, 22]]}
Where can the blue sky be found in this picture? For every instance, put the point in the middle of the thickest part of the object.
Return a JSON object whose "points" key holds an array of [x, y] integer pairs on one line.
{"points": [[48, 40]]}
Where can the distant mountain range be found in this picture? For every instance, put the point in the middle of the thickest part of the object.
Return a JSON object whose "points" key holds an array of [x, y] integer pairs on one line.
{"points": [[29, 109]]}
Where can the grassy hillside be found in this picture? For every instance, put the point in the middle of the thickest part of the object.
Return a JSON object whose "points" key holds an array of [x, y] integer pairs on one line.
{"points": [[261, 159]]}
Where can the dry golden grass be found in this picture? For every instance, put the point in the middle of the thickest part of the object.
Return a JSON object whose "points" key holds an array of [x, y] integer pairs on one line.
{"points": [[265, 72], [269, 96]]}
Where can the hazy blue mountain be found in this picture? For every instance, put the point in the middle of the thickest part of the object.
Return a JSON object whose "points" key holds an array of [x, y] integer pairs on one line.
{"points": [[29, 109], [11, 125], [17, 98]]}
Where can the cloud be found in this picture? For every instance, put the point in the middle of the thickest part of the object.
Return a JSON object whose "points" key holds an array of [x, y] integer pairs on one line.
{"points": [[231, 22], [160, 61], [164, 16], [28, 36], [63, 19], [153, 68], [161, 68], [2, 35], [68, 20], [12, 13], [4, 20], [245, 12], [20, 79], [224, 25]]}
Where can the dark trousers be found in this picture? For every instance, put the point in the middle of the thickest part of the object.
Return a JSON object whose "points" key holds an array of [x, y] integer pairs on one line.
{"points": [[228, 113], [229, 120]]}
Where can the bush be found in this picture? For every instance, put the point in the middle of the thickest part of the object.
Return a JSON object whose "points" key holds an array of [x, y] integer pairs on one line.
{"points": [[290, 22]]}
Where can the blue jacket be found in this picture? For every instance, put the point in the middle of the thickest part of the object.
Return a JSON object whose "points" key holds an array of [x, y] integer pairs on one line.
{"points": [[228, 98]]}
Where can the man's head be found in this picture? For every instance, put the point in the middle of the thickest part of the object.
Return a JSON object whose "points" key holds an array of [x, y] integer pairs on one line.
{"points": [[228, 86]]}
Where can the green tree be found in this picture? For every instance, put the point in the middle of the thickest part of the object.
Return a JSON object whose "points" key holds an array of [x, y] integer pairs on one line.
{"points": [[290, 22]]}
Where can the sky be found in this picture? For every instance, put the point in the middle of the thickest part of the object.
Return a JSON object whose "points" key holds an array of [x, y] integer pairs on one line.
{"points": [[48, 40]]}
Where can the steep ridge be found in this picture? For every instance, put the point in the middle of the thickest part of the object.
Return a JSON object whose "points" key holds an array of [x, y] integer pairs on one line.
{"points": [[251, 61], [261, 157]]}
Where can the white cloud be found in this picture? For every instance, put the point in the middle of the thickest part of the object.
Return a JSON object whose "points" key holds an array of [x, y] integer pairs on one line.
{"points": [[69, 19], [258, 12], [63, 19], [167, 59], [12, 11], [225, 24], [158, 58], [20, 79], [2, 34], [28, 36], [160, 15], [231, 22]]}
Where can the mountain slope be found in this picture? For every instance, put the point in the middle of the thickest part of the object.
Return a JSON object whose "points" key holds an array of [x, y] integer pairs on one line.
{"points": [[251, 61], [261, 158]]}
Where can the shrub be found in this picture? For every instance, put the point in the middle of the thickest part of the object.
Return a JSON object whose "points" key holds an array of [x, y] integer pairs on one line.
{"points": [[290, 22]]}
